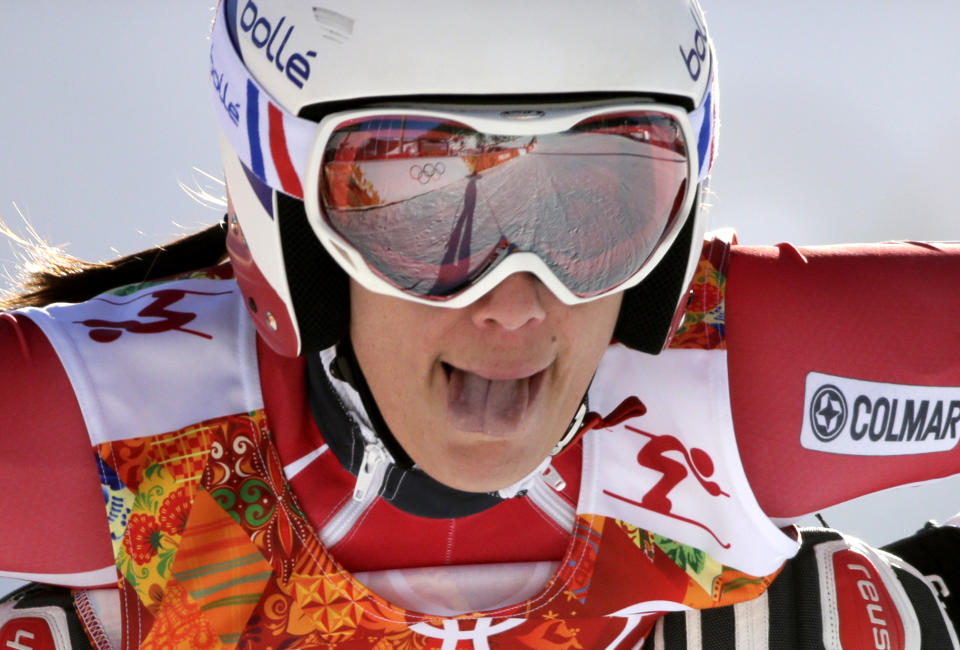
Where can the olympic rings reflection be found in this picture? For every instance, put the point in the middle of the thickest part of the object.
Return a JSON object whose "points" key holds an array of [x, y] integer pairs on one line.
{"points": [[428, 172]]}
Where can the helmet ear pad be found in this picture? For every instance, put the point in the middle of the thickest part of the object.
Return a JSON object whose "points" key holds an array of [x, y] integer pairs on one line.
{"points": [[648, 313], [319, 288]]}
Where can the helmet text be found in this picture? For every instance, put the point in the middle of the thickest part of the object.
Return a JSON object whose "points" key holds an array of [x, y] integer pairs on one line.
{"points": [[264, 36]]}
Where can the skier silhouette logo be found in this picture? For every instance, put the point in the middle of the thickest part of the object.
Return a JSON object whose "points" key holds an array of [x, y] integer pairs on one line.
{"points": [[106, 331], [653, 456]]}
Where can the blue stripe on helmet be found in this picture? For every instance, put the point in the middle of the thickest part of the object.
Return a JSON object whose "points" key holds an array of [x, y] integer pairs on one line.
{"points": [[253, 129], [263, 192], [704, 138]]}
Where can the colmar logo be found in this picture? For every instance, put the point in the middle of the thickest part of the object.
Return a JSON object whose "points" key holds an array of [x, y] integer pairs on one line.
{"points": [[266, 36], [858, 417], [828, 412]]}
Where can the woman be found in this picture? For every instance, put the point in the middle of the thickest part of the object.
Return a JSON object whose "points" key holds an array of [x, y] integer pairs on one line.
{"points": [[459, 380]]}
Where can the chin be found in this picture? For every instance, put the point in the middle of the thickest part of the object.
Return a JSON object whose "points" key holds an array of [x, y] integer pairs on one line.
{"points": [[478, 483], [485, 470]]}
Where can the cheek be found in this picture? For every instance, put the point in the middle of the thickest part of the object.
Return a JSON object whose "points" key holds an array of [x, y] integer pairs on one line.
{"points": [[587, 332], [594, 324], [395, 341], [598, 322], [378, 332]]}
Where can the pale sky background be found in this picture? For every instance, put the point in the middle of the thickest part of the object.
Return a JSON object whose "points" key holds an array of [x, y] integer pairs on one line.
{"points": [[840, 124]]}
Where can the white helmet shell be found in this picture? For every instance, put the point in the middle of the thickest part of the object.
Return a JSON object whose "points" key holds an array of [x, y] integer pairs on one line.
{"points": [[307, 53]]}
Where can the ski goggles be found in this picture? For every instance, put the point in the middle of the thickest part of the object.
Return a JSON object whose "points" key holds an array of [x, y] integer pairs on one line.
{"points": [[439, 204]]}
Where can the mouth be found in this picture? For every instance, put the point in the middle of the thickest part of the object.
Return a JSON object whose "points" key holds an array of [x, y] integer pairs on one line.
{"points": [[491, 402]]}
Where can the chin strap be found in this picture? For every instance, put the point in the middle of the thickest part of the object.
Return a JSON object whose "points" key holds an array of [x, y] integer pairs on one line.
{"points": [[345, 367], [573, 430], [585, 421]]}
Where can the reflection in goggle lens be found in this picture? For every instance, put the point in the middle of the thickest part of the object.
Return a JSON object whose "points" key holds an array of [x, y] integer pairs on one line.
{"points": [[432, 204]]}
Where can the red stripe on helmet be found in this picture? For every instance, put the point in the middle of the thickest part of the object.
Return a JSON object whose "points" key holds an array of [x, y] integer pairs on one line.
{"points": [[281, 157]]}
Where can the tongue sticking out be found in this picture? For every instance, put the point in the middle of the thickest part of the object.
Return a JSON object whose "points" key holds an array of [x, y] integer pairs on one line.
{"points": [[490, 406]]}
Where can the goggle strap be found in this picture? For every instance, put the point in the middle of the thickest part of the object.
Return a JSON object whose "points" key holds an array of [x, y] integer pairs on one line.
{"points": [[270, 141]]}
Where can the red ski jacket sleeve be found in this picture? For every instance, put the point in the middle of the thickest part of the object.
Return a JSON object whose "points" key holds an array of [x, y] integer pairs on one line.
{"points": [[52, 506], [844, 369]]}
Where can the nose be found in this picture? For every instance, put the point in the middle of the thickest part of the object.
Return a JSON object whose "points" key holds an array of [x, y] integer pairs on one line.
{"points": [[515, 303]]}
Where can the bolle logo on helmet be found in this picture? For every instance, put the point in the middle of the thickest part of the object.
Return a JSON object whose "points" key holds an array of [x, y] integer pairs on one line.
{"points": [[694, 57], [865, 418], [222, 88], [828, 412], [266, 36]]}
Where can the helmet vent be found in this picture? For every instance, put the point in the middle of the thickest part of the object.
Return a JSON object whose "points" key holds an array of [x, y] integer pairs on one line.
{"points": [[337, 27]]}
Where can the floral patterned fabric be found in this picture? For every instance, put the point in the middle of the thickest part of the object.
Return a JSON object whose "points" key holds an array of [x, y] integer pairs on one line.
{"points": [[702, 327], [220, 555]]}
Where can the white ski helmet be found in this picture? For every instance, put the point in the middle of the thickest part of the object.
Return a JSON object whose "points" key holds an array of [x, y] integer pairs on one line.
{"points": [[279, 66]]}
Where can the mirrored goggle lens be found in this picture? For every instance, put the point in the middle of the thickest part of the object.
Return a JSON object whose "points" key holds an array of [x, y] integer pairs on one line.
{"points": [[432, 204]]}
